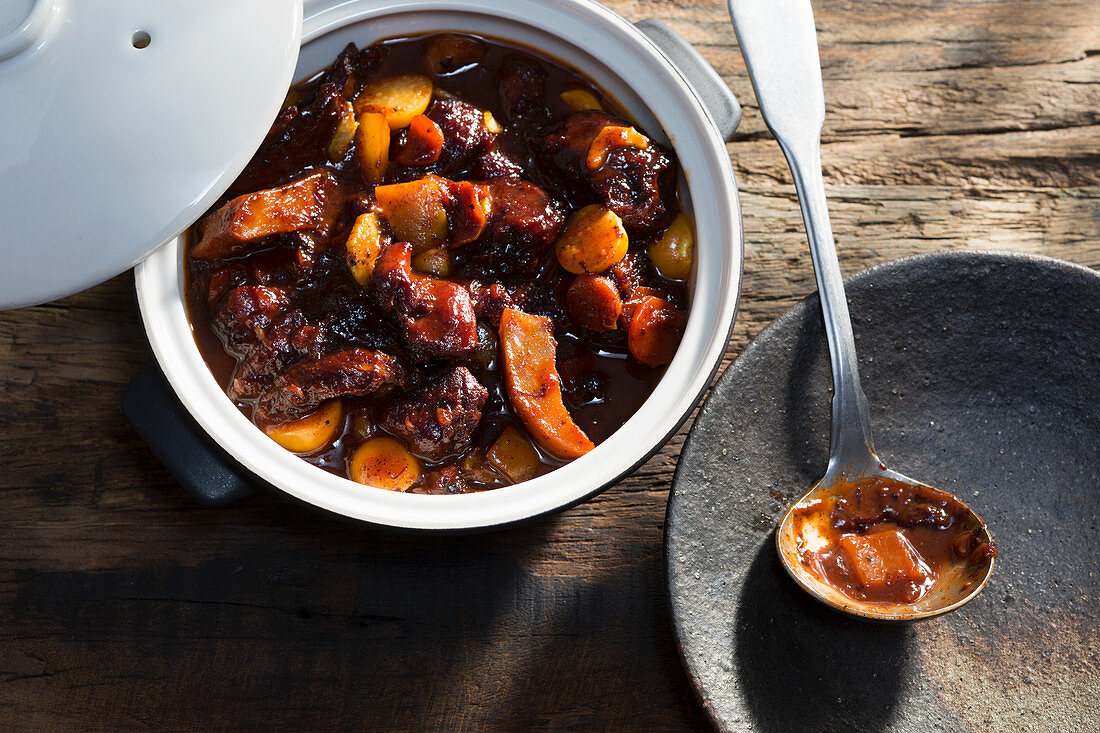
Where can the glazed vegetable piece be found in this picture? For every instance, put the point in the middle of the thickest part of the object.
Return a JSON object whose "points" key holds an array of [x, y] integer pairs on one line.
{"points": [[637, 296], [423, 142], [486, 346], [362, 247], [593, 302], [362, 426], [308, 204], [610, 138], [398, 98], [593, 240], [580, 99], [883, 558], [491, 123], [384, 463], [417, 211], [345, 133], [454, 54], [435, 262], [533, 385], [473, 205], [513, 455], [372, 146], [673, 252], [655, 330], [311, 433], [476, 467]]}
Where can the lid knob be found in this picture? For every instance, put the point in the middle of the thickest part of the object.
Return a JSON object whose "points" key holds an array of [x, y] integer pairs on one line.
{"points": [[22, 23]]}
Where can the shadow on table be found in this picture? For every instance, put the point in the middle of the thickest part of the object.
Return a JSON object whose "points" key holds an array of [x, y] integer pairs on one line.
{"points": [[491, 632], [804, 666], [275, 612]]}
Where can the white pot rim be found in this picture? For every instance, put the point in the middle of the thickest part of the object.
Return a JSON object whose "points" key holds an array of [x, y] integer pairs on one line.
{"points": [[656, 90]]}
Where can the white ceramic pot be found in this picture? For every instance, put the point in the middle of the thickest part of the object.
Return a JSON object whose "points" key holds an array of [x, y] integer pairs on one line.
{"points": [[624, 62]]}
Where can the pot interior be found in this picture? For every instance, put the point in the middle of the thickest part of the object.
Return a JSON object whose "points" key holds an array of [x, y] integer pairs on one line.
{"points": [[644, 83]]}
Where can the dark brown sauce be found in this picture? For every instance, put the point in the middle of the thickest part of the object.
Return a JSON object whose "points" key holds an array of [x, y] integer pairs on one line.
{"points": [[887, 541], [602, 384]]}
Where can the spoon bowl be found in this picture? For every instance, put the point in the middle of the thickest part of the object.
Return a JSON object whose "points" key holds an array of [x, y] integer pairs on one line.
{"points": [[779, 45], [955, 584]]}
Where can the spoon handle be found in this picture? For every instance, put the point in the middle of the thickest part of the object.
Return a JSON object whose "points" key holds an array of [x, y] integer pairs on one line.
{"points": [[779, 44]]}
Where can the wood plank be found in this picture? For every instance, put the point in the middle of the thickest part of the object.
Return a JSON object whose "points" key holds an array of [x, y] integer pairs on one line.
{"points": [[1068, 157], [960, 101], [907, 35]]}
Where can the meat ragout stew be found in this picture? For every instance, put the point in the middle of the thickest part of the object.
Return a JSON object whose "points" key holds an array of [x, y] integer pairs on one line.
{"points": [[453, 265]]}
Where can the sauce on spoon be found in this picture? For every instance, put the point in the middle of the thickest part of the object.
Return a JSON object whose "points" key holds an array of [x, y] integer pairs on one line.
{"points": [[878, 540]]}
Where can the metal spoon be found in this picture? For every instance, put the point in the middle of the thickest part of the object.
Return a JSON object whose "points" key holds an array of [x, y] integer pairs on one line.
{"points": [[779, 44]]}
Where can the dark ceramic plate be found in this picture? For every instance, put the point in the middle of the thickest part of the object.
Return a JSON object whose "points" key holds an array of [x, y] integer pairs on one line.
{"points": [[983, 375]]}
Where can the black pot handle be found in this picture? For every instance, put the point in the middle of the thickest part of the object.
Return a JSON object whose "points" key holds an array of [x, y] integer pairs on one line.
{"points": [[200, 465]]}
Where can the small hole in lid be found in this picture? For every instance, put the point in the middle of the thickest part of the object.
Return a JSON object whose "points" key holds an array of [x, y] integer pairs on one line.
{"points": [[140, 39]]}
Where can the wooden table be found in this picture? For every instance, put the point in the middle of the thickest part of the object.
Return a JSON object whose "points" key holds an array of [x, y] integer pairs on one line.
{"points": [[123, 604]]}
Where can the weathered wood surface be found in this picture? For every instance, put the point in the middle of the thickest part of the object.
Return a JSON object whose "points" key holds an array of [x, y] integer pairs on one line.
{"points": [[123, 604]]}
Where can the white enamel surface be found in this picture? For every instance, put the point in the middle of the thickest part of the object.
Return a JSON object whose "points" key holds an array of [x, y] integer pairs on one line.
{"points": [[108, 149], [623, 62]]}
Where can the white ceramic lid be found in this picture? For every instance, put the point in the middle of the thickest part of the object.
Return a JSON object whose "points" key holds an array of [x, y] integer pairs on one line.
{"points": [[122, 122]]}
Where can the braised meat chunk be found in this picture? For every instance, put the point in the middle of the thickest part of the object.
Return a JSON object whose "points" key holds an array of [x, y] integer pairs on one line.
{"points": [[522, 90], [524, 221], [435, 317], [446, 480], [306, 384], [452, 265], [279, 347], [619, 166], [351, 69], [637, 184], [299, 139], [440, 419], [246, 313], [464, 131], [564, 149]]}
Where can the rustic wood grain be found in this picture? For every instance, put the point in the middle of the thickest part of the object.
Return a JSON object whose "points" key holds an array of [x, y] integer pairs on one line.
{"points": [[963, 124]]}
